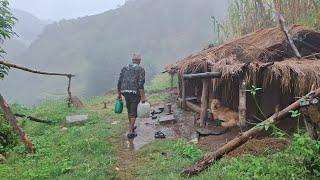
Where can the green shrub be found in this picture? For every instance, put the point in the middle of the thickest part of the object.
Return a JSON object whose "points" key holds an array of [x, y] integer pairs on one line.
{"points": [[7, 137], [185, 149], [308, 151]]}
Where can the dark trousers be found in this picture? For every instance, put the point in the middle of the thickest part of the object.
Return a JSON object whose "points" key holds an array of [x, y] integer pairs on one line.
{"points": [[132, 101]]}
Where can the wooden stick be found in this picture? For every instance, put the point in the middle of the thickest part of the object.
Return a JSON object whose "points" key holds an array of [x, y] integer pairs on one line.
{"points": [[11, 65], [266, 65], [191, 106], [13, 121], [69, 92], [244, 137], [284, 29], [33, 118], [202, 75], [316, 54]]}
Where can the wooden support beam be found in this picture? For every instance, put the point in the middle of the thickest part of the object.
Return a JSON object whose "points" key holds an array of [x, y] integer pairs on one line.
{"points": [[183, 95], [242, 103], [202, 75], [244, 137], [193, 107], [204, 98], [13, 122]]}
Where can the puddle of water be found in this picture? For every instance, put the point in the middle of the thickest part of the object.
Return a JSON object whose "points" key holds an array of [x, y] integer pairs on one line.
{"points": [[146, 128]]}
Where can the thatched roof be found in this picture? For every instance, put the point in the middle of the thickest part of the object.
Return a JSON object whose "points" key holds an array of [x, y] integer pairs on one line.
{"points": [[259, 48]]}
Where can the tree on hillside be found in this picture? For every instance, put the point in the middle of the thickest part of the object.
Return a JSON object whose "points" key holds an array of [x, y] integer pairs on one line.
{"points": [[7, 22]]}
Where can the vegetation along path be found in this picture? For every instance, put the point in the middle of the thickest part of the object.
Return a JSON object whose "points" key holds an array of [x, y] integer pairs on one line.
{"points": [[96, 150]]}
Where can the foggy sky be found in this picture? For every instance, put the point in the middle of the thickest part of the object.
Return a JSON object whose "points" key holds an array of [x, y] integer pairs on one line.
{"points": [[64, 9]]}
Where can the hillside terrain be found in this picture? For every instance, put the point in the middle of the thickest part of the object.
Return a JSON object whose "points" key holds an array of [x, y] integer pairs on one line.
{"points": [[27, 28], [95, 47]]}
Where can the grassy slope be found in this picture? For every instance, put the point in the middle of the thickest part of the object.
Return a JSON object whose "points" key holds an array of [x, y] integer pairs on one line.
{"points": [[92, 151]]}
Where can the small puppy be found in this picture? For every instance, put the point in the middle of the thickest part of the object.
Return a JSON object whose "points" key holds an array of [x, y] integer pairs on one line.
{"points": [[230, 118]]}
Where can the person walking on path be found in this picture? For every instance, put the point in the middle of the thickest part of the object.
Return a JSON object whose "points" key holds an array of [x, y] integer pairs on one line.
{"points": [[131, 86]]}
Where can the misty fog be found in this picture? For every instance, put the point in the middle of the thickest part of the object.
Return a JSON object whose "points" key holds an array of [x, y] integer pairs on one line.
{"points": [[65, 36]]}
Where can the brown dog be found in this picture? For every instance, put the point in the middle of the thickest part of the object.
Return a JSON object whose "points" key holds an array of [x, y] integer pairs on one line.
{"points": [[230, 118]]}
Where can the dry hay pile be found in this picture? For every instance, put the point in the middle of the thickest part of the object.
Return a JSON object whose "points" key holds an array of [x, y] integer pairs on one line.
{"points": [[246, 57]]}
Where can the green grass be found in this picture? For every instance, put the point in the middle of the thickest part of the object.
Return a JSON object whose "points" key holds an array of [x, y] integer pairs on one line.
{"points": [[161, 160], [76, 152], [92, 151], [161, 82]]}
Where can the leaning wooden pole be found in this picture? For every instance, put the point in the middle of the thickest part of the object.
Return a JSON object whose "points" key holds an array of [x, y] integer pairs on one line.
{"points": [[13, 121], [244, 137], [284, 29]]}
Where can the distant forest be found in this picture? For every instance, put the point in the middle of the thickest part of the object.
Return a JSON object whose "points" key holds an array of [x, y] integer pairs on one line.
{"points": [[96, 47]]}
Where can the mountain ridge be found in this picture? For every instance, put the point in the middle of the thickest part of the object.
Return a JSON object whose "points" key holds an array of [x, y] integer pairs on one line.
{"points": [[95, 47]]}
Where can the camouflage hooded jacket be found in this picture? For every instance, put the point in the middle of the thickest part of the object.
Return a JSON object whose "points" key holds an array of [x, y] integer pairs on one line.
{"points": [[132, 78]]}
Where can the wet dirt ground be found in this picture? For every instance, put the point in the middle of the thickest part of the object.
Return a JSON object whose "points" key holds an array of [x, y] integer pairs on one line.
{"points": [[147, 127], [183, 128]]}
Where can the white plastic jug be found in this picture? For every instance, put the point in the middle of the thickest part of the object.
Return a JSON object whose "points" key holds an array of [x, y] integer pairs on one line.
{"points": [[144, 110]]}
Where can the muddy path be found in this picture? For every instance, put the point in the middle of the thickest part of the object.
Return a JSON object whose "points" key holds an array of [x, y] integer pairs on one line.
{"points": [[184, 128]]}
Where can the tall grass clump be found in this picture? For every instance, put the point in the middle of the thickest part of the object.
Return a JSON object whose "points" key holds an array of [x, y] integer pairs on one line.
{"points": [[246, 16]]}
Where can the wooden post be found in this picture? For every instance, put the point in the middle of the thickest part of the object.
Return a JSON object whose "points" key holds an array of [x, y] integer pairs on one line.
{"points": [[171, 80], [204, 98], [13, 121], [204, 102], [69, 92], [242, 104], [183, 95]]}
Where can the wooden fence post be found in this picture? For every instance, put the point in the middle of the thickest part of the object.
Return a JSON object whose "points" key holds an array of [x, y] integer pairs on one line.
{"points": [[242, 103]]}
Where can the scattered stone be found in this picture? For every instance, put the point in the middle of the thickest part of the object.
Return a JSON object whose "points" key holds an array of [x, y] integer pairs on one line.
{"points": [[76, 102], [77, 119], [115, 122], [2, 158], [207, 132], [161, 108], [64, 129], [168, 108], [167, 119], [195, 138]]}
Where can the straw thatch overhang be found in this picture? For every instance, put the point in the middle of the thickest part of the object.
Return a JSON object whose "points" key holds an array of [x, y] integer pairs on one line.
{"points": [[263, 58]]}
